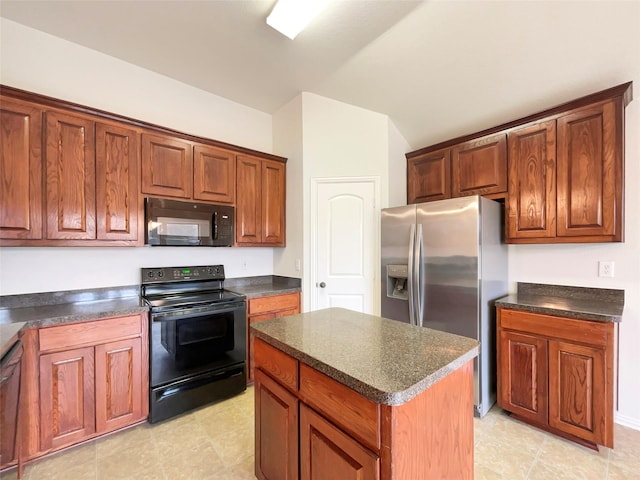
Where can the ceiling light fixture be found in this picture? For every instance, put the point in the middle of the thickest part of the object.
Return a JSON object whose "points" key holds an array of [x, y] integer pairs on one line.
{"points": [[289, 17]]}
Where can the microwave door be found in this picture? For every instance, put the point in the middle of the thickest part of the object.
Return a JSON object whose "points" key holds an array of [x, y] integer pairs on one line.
{"points": [[181, 231]]}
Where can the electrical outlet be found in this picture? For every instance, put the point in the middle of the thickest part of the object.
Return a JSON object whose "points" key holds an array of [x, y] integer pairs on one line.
{"points": [[298, 265], [605, 269]]}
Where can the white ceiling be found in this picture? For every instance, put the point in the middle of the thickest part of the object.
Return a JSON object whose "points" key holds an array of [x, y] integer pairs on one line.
{"points": [[438, 68]]}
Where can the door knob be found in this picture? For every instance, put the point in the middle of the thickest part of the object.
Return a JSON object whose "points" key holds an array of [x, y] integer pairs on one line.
{"points": [[322, 284]]}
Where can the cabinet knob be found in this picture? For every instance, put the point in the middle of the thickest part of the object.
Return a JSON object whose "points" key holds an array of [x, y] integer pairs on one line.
{"points": [[321, 284]]}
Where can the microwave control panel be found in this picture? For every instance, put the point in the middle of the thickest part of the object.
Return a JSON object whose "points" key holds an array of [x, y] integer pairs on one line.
{"points": [[180, 274]]}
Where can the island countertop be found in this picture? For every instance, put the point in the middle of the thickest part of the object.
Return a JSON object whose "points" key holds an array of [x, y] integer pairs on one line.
{"points": [[386, 361]]}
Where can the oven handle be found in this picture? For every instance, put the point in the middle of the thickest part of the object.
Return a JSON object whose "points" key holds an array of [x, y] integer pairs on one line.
{"points": [[188, 313]]}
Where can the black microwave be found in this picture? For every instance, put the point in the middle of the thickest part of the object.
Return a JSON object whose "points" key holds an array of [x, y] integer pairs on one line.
{"points": [[179, 223]]}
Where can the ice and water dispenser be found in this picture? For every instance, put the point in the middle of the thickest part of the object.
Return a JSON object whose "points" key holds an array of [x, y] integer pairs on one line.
{"points": [[397, 282]]}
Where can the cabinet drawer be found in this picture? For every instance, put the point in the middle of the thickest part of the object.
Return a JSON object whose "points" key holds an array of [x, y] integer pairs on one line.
{"points": [[89, 333], [276, 363], [581, 331], [346, 408], [273, 303]]}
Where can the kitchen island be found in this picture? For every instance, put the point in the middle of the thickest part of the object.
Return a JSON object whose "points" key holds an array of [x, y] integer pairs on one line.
{"points": [[341, 394]]}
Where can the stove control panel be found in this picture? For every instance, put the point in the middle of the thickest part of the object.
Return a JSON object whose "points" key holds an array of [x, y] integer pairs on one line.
{"points": [[182, 274]]}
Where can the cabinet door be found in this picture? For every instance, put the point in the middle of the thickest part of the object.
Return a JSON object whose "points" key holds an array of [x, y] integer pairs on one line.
{"points": [[531, 203], [20, 170], [429, 177], [116, 183], [327, 452], [276, 431], [578, 396], [167, 166], [479, 166], [248, 204], [118, 384], [71, 177], [590, 173], [250, 362], [273, 203], [214, 174], [522, 375], [67, 398], [9, 398]]}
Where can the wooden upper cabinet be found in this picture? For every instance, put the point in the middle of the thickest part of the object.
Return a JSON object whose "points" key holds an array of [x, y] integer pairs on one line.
{"points": [[479, 166], [20, 170], [70, 180], [429, 177], [167, 166], [590, 181], [560, 170], [214, 174], [248, 204], [260, 204], [273, 203], [116, 183], [474, 167], [531, 203]]}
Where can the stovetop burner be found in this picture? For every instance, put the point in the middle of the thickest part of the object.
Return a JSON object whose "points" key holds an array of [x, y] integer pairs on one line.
{"points": [[192, 299], [183, 287]]}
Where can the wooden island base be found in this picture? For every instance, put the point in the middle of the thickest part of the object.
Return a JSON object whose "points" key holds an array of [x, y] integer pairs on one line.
{"points": [[311, 426]]}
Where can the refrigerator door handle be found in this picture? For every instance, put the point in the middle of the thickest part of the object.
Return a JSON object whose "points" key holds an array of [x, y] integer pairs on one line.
{"points": [[410, 277], [419, 278]]}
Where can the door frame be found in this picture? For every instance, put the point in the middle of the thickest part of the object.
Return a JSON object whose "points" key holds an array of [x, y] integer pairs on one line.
{"points": [[313, 250]]}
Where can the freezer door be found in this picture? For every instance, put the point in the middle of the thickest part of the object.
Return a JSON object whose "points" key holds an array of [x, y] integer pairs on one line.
{"points": [[397, 227], [449, 267]]}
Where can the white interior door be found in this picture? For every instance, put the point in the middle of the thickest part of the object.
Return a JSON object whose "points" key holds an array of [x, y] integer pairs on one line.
{"points": [[346, 244]]}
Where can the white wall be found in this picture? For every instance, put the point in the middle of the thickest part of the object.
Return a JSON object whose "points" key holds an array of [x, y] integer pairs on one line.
{"points": [[339, 140], [31, 270], [38, 62], [397, 168], [287, 141]]}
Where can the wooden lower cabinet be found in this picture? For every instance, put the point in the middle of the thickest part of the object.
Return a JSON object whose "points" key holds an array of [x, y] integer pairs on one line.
{"points": [[327, 452], [267, 308], [92, 380], [524, 368], [67, 397], [557, 373], [9, 400], [578, 401], [118, 380], [276, 430], [310, 426]]}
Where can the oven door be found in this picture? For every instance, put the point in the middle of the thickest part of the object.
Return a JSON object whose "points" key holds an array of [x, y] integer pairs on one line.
{"points": [[190, 341]]}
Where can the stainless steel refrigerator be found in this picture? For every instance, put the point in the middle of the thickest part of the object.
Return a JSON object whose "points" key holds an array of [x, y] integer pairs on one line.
{"points": [[444, 264]]}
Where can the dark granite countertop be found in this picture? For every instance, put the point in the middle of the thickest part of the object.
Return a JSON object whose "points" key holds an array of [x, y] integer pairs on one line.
{"points": [[386, 361], [46, 315], [52, 308], [598, 304], [9, 334], [254, 287]]}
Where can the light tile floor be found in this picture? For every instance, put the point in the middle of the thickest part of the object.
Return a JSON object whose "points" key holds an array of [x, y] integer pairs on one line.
{"points": [[216, 442]]}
